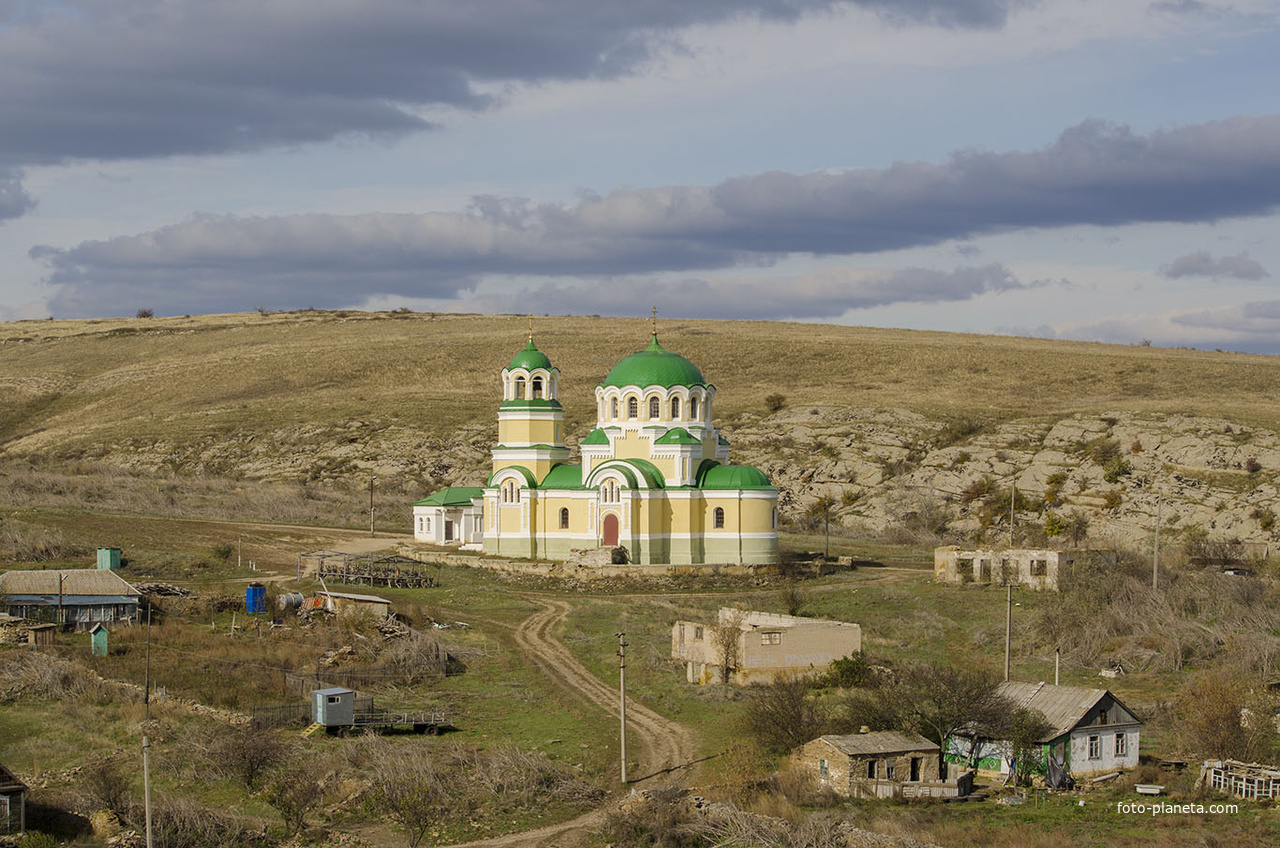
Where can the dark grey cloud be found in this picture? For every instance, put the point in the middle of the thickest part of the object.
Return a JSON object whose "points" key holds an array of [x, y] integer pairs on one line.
{"points": [[1093, 174], [14, 201], [119, 79], [822, 294], [1202, 264]]}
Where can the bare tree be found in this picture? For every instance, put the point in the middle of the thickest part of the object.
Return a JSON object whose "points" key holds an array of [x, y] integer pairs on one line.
{"points": [[295, 792], [412, 792], [247, 753], [782, 715], [725, 640]]}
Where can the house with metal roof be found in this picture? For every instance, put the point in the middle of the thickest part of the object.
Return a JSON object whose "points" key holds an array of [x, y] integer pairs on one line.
{"points": [[1090, 732], [654, 475], [77, 598], [884, 764]]}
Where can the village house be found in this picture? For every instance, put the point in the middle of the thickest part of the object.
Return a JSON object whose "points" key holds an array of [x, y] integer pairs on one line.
{"points": [[1029, 568], [885, 764], [13, 803], [76, 598], [451, 516], [1091, 732], [758, 647]]}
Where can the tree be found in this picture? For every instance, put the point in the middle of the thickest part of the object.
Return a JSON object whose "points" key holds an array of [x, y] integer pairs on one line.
{"points": [[782, 715], [247, 753], [725, 641], [146, 313], [794, 597], [1025, 730], [934, 701], [848, 672], [412, 792], [295, 792], [1223, 715]]}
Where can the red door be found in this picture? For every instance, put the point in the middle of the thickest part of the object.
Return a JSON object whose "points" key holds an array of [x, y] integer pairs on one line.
{"points": [[611, 530]]}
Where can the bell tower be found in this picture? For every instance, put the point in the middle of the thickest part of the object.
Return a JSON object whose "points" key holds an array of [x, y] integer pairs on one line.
{"points": [[530, 418]]}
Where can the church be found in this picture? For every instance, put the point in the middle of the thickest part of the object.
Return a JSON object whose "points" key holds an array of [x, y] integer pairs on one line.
{"points": [[653, 477]]}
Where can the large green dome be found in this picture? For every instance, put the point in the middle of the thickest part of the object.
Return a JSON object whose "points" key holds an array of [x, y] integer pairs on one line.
{"points": [[655, 366], [529, 359]]}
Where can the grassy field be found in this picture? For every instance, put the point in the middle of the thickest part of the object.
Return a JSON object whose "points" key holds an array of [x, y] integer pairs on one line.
{"points": [[76, 388]]}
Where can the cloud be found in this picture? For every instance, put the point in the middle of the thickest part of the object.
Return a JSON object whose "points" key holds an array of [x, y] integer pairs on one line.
{"points": [[1094, 173], [822, 294], [14, 201], [1247, 327], [127, 79], [1202, 264]]}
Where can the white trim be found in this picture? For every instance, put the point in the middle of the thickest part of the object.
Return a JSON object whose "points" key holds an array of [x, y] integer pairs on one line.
{"points": [[523, 452], [530, 415]]}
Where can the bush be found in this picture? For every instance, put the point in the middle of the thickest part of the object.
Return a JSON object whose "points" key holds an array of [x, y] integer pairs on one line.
{"points": [[775, 402], [1252, 465], [1102, 450], [848, 672], [1115, 469], [145, 313], [1112, 499], [1054, 525], [781, 715], [977, 489]]}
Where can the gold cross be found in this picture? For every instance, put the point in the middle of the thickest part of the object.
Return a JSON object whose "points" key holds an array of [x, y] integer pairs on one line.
{"points": [[530, 326], [655, 320]]}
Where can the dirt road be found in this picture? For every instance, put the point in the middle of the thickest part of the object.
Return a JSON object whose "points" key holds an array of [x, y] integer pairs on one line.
{"points": [[664, 748]]}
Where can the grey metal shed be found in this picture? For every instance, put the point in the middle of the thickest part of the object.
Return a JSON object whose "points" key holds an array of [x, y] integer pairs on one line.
{"points": [[334, 707]]}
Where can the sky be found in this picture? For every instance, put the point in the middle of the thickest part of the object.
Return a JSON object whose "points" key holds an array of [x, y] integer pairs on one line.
{"points": [[1101, 170]]}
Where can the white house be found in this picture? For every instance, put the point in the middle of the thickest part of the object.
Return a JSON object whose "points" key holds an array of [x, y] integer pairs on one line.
{"points": [[451, 516]]}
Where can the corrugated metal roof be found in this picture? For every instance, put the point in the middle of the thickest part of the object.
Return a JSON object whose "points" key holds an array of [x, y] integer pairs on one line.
{"points": [[879, 742], [84, 581], [368, 599], [1063, 707]]}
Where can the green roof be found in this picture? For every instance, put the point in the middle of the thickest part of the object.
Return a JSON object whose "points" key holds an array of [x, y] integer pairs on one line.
{"points": [[452, 496], [677, 436], [529, 359], [655, 366], [596, 437], [713, 476], [563, 477]]}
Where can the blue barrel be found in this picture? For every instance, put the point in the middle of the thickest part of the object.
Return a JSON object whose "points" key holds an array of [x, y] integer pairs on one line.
{"points": [[255, 598]]}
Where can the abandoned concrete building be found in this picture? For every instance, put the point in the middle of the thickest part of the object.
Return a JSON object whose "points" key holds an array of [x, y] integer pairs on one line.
{"points": [[758, 647], [1091, 732], [1030, 568], [885, 764]]}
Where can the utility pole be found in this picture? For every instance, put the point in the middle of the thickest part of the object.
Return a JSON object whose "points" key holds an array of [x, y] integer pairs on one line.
{"points": [[1155, 554], [372, 477], [1013, 500], [826, 524], [146, 675], [146, 786], [1008, 626], [1057, 657], [239, 551], [622, 690]]}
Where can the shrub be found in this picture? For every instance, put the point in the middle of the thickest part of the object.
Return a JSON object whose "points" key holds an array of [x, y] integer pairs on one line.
{"points": [[977, 489], [1102, 450], [957, 431], [781, 715], [1112, 499], [848, 672], [775, 402], [145, 313], [1115, 469], [1252, 465], [1054, 525]]}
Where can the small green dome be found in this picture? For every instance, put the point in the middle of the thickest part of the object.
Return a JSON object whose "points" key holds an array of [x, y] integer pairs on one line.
{"points": [[529, 359], [713, 476], [655, 366]]}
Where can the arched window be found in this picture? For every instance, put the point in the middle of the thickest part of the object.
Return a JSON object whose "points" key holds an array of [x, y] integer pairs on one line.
{"points": [[537, 387], [633, 408], [511, 492], [613, 409], [564, 518], [719, 518], [675, 409], [655, 408], [693, 408], [520, 387], [609, 492]]}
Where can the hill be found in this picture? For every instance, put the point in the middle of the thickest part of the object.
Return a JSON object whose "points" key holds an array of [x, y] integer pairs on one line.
{"points": [[902, 431]]}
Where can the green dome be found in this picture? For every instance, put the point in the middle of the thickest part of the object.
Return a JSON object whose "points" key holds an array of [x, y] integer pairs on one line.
{"points": [[529, 359], [655, 366], [713, 476]]}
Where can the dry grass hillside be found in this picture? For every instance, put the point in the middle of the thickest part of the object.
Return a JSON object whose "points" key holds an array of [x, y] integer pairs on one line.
{"points": [[332, 396]]}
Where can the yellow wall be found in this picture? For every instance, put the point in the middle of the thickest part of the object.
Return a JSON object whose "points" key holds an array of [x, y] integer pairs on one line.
{"points": [[523, 431]]}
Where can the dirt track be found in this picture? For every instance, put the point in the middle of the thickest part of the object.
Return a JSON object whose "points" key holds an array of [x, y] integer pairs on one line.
{"points": [[665, 746]]}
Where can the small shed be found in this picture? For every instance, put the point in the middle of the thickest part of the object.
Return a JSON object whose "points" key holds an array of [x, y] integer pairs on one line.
{"points": [[884, 764], [345, 603], [109, 559], [13, 803], [98, 640], [334, 707]]}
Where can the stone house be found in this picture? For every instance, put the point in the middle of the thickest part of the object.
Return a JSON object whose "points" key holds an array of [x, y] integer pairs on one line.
{"points": [[885, 764], [77, 598], [1029, 568], [759, 647], [1091, 732]]}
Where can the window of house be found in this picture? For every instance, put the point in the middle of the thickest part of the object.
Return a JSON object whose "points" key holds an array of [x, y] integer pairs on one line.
{"points": [[719, 518], [332, 699], [633, 408], [428, 523], [693, 408], [1095, 747], [697, 632], [537, 387], [771, 637], [823, 768], [564, 518], [609, 492], [675, 408], [915, 768], [1039, 567], [1122, 744], [613, 408], [889, 771], [871, 769], [655, 408]]}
